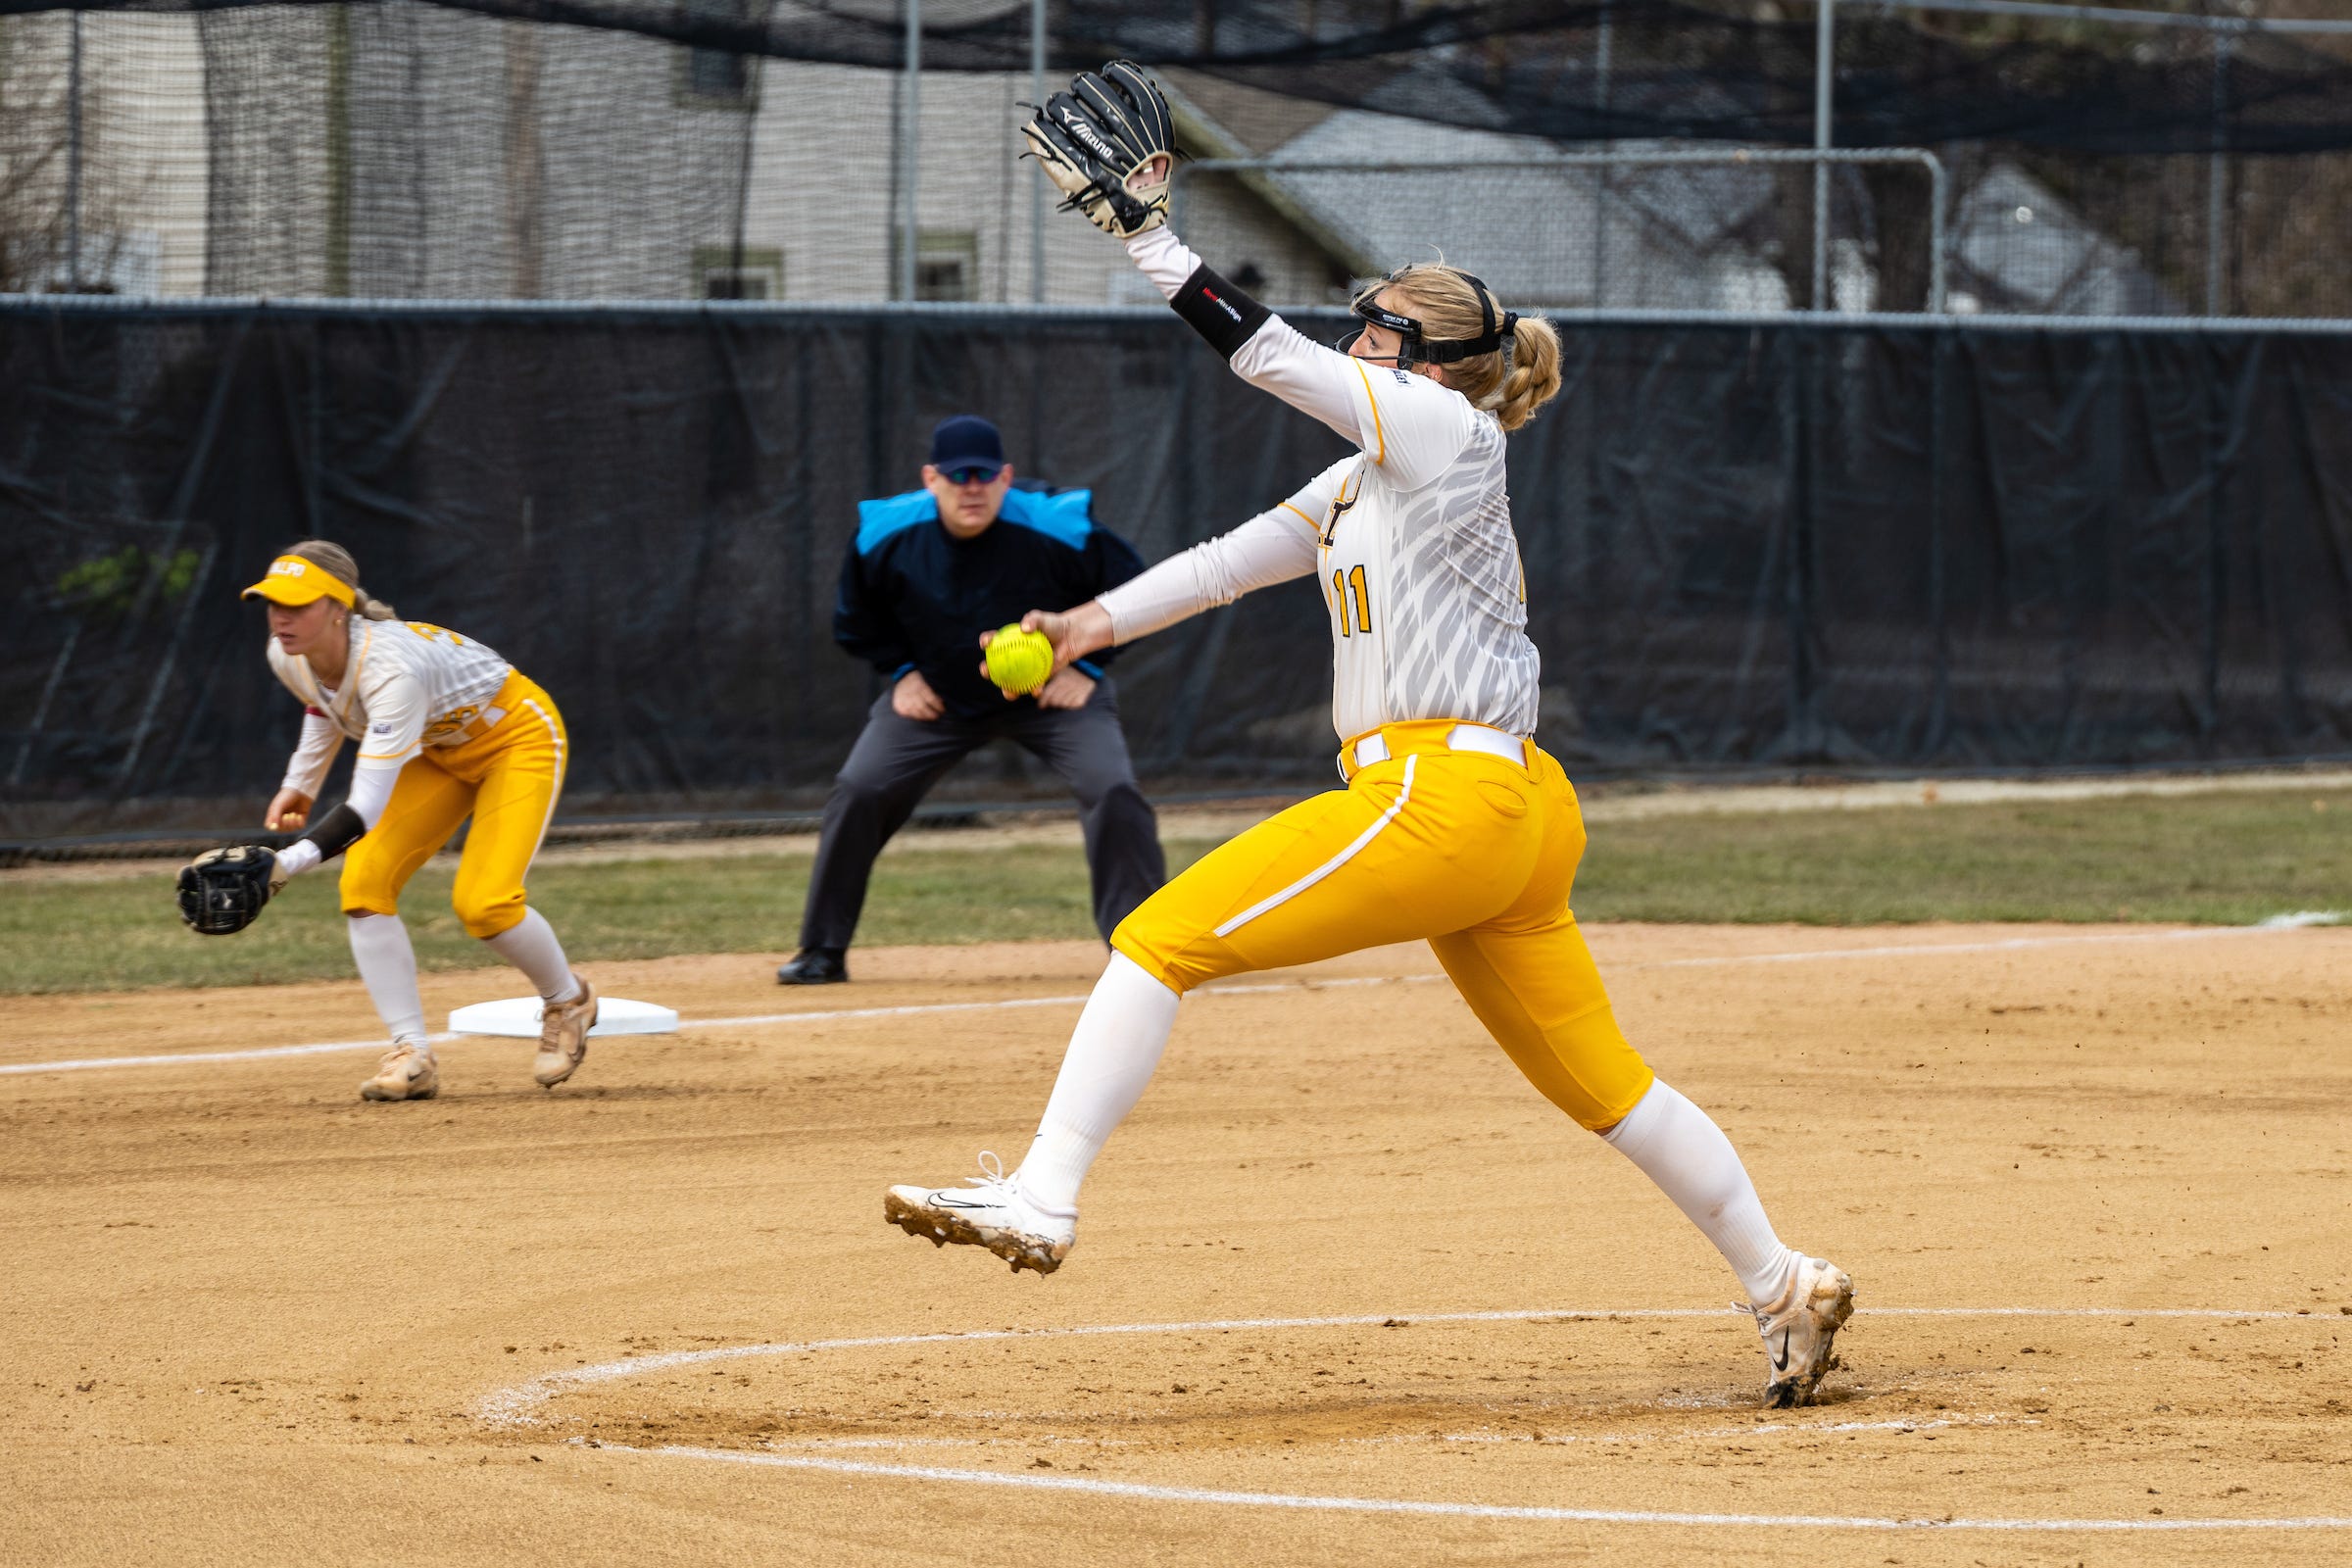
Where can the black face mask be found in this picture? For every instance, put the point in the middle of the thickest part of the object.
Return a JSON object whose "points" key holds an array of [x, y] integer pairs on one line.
{"points": [[1413, 349]]}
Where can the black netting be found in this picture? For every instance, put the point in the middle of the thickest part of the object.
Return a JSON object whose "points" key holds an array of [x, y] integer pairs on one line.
{"points": [[1793, 546], [611, 149], [1681, 70]]}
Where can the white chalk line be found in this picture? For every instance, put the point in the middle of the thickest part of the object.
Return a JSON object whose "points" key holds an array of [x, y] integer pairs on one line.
{"points": [[1769, 1429], [324, 1048], [750, 1021], [514, 1406], [1150, 1493], [1547, 1440], [2300, 920]]}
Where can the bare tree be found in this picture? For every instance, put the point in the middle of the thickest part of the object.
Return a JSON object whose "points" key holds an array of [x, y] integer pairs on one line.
{"points": [[61, 203]]}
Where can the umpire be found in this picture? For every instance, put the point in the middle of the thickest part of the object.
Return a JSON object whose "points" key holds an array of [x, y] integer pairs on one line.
{"points": [[928, 572]]}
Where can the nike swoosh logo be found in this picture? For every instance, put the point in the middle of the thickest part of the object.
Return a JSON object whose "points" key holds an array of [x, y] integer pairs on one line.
{"points": [[1779, 1356]]}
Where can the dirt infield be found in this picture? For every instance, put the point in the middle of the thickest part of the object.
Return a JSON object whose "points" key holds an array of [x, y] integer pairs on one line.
{"points": [[253, 1320]]}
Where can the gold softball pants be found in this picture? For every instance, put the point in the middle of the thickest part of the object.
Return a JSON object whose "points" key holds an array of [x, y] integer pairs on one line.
{"points": [[1473, 852], [506, 778]]}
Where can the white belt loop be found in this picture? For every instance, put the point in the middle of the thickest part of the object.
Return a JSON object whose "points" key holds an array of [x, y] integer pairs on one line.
{"points": [[1487, 739], [1373, 748]]}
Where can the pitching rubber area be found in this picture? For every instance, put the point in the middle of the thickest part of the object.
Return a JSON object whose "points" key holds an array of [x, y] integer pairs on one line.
{"points": [[1344, 1288]]}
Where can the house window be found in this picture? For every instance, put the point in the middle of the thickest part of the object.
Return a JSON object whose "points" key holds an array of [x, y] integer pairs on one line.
{"points": [[947, 264], [717, 79], [719, 273]]}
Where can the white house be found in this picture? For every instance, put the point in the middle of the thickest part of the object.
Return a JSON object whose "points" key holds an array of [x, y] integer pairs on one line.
{"points": [[403, 150]]}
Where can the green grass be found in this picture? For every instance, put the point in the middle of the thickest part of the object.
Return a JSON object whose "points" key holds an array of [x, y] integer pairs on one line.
{"points": [[2227, 860], [2215, 858]]}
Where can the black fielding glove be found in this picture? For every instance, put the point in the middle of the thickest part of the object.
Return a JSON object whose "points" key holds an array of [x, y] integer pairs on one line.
{"points": [[1108, 142], [222, 891]]}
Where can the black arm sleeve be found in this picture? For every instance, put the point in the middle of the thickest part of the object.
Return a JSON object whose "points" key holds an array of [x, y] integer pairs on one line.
{"points": [[1218, 312], [865, 627], [338, 830]]}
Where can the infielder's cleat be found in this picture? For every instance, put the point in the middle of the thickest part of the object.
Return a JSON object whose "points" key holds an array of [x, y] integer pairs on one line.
{"points": [[404, 1073], [1799, 1328], [990, 1211], [563, 1036]]}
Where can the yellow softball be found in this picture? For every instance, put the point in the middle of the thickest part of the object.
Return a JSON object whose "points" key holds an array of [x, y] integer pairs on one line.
{"points": [[1019, 660]]}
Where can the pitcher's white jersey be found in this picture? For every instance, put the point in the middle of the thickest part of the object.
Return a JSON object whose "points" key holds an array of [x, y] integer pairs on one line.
{"points": [[1412, 539], [408, 685], [1428, 604]]}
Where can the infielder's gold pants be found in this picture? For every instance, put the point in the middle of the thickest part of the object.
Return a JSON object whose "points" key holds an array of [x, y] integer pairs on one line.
{"points": [[1473, 852], [506, 778]]}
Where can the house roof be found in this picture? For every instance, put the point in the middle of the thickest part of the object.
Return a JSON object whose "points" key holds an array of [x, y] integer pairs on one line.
{"points": [[1546, 232]]}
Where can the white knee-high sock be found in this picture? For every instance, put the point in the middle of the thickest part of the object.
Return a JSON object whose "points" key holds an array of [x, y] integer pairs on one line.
{"points": [[379, 946], [1679, 1146], [1111, 1056], [530, 944]]}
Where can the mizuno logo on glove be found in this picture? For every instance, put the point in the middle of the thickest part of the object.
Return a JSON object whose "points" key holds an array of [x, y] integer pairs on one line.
{"points": [[1085, 136]]}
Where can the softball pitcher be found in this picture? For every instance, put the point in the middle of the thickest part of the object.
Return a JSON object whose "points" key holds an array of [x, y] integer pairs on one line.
{"points": [[1454, 827], [446, 729]]}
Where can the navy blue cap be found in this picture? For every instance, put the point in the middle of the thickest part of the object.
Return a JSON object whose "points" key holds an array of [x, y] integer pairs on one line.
{"points": [[966, 441]]}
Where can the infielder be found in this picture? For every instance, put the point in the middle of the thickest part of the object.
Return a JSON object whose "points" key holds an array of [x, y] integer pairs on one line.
{"points": [[1455, 827], [446, 729]]}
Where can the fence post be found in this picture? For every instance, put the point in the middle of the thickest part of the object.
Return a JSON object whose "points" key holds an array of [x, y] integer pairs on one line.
{"points": [[1937, 238], [911, 148], [73, 160], [2216, 174], [1822, 48], [1037, 170], [1602, 65], [338, 158]]}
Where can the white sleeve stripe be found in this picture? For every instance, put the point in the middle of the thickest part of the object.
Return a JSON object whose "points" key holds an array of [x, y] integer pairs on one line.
{"points": [[1380, 437], [556, 734]]}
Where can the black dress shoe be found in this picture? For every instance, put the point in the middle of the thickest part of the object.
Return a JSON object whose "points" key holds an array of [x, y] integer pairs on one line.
{"points": [[818, 966]]}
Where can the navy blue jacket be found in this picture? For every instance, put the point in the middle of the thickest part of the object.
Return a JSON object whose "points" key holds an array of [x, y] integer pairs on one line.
{"points": [[915, 597]]}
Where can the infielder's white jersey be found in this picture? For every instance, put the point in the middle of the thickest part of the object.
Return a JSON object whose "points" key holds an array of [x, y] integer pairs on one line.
{"points": [[1412, 539], [409, 685]]}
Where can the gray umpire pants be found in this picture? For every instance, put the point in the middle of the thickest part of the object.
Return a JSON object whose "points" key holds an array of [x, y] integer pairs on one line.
{"points": [[897, 760]]}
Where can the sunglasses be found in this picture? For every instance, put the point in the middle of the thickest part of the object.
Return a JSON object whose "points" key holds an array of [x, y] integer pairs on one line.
{"points": [[972, 473]]}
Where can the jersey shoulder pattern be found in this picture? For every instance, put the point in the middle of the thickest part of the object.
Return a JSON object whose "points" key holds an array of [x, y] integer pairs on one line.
{"points": [[456, 675], [1417, 427], [417, 682]]}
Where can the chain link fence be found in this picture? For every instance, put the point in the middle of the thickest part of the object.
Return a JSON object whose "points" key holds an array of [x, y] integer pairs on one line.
{"points": [[1673, 229], [405, 149]]}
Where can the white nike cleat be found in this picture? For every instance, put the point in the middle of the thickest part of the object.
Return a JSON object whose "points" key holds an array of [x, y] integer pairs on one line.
{"points": [[1798, 1330], [990, 1211], [563, 1036], [404, 1073]]}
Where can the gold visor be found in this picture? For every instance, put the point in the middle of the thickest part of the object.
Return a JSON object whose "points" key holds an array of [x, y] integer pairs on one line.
{"points": [[294, 582]]}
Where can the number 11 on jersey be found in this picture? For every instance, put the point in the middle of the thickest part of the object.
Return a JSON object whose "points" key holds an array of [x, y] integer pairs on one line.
{"points": [[1353, 599]]}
